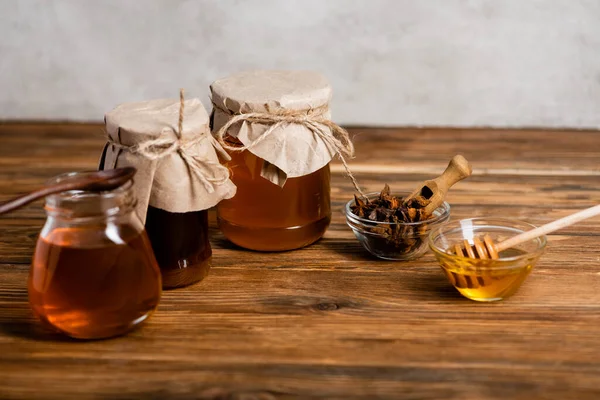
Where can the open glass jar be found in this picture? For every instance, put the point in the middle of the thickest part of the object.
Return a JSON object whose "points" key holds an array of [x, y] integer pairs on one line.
{"points": [[93, 274]]}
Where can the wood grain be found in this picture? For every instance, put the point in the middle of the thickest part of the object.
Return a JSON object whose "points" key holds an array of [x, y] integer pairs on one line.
{"points": [[330, 321]]}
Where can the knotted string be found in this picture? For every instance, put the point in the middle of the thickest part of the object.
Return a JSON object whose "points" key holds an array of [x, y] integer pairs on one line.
{"points": [[334, 136], [210, 173]]}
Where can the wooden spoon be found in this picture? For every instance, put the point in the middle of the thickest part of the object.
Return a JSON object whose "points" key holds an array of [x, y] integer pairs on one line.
{"points": [[96, 181], [435, 189], [488, 249]]}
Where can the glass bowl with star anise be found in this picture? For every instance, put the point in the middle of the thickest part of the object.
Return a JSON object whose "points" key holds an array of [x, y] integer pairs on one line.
{"points": [[392, 229]]}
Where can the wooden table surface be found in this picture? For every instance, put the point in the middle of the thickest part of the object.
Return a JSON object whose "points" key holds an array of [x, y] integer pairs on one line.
{"points": [[330, 321]]}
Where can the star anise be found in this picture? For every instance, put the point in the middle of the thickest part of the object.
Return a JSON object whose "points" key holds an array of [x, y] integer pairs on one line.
{"points": [[389, 208], [395, 211]]}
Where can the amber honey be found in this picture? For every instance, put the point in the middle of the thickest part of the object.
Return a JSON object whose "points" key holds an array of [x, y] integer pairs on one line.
{"points": [[263, 216], [94, 281], [181, 245], [479, 280]]}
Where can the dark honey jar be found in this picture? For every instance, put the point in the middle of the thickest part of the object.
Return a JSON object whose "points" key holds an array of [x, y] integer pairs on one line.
{"points": [[93, 273], [181, 245], [276, 127], [179, 178]]}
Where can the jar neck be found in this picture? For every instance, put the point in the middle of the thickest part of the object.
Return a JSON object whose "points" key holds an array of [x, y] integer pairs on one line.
{"points": [[87, 205]]}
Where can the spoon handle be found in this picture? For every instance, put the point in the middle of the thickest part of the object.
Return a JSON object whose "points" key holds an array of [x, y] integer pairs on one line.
{"points": [[550, 227], [95, 181], [25, 199]]}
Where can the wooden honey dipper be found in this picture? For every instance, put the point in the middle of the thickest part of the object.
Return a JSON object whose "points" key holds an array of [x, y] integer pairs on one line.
{"points": [[487, 249], [435, 190]]}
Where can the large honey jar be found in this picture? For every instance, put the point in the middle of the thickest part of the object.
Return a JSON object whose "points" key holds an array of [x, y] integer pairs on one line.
{"points": [[93, 273], [276, 127], [179, 178]]}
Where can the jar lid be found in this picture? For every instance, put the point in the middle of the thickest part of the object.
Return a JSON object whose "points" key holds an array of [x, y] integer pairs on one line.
{"points": [[175, 174], [254, 90], [148, 119]]}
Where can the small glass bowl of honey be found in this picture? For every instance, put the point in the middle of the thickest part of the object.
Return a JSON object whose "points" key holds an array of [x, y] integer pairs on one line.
{"points": [[486, 280], [401, 241]]}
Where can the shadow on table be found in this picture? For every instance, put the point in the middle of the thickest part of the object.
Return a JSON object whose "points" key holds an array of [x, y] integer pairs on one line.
{"points": [[17, 319], [423, 276], [434, 286], [349, 250], [219, 242]]}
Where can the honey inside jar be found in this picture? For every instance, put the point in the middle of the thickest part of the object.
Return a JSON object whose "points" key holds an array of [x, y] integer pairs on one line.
{"points": [[181, 246], [479, 280], [263, 216], [94, 282], [93, 273]]}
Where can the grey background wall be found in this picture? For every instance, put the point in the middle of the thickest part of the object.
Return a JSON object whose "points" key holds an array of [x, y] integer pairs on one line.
{"points": [[391, 62]]}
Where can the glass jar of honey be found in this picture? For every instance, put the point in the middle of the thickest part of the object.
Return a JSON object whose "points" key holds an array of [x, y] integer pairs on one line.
{"points": [[181, 245], [179, 178], [277, 130], [266, 217], [93, 273]]}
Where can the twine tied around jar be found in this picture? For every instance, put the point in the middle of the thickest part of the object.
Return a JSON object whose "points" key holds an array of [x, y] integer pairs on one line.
{"points": [[336, 137], [161, 147]]}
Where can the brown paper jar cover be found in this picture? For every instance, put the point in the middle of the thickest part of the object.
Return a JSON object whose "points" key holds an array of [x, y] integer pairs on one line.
{"points": [[283, 179], [179, 177], [292, 150], [167, 183]]}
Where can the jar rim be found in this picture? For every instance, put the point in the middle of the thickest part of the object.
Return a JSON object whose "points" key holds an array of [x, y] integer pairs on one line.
{"points": [[84, 205], [84, 194]]}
